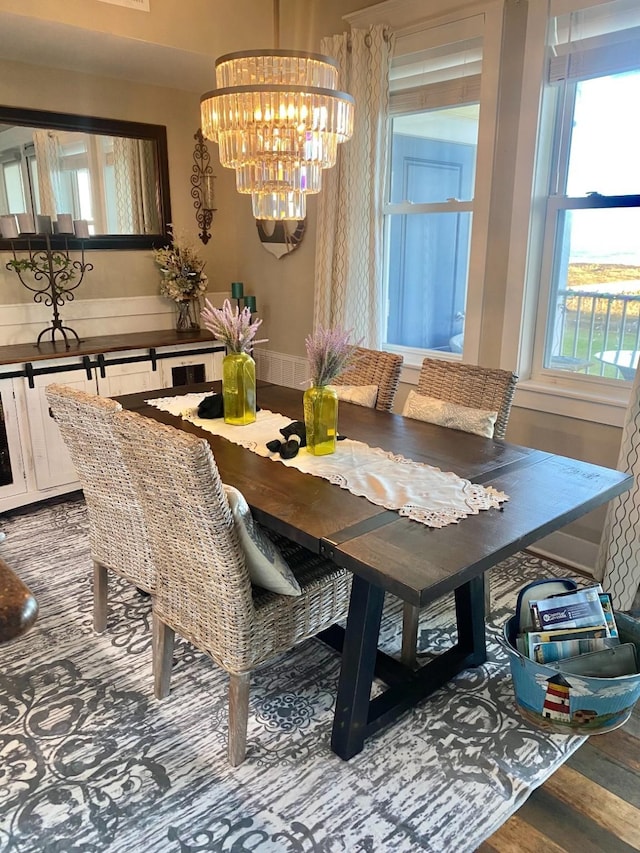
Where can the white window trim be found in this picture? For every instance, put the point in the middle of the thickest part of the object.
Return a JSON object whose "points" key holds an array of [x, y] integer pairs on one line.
{"points": [[600, 402], [406, 17]]}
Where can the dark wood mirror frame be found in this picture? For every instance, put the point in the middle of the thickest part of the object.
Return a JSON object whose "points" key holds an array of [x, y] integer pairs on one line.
{"points": [[108, 127]]}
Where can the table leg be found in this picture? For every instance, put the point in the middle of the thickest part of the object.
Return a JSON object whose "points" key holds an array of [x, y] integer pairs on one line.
{"points": [[358, 665], [357, 715], [470, 610]]}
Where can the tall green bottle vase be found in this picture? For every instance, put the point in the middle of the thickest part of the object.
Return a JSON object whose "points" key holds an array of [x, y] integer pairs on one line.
{"points": [[321, 419], [239, 388]]}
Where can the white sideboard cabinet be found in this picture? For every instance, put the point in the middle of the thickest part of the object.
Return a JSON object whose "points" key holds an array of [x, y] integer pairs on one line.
{"points": [[34, 462]]}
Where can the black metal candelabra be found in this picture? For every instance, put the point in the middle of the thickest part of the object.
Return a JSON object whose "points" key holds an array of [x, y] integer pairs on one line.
{"points": [[55, 278]]}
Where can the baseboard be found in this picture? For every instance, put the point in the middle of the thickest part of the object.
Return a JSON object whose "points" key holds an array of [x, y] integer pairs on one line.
{"points": [[570, 550]]}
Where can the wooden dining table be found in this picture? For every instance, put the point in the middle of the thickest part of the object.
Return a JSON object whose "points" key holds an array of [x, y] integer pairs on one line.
{"points": [[388, 553]]}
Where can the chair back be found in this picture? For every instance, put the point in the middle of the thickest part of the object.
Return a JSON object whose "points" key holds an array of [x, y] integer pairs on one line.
{"points": [[117, 532], [204, 591], [470, 385], [374, 367]]}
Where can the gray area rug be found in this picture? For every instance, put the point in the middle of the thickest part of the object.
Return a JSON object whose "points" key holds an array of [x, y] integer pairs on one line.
{"points": [[90, 761]]}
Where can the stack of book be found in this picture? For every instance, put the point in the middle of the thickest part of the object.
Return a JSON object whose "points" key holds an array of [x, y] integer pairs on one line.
{"points": [[569, 624]]}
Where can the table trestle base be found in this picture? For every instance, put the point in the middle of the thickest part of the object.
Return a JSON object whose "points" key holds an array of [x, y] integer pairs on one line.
{"points": [[357, 715]]}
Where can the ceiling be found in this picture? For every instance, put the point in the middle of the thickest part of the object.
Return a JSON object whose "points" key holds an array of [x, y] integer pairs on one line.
{"points": [[59, 45]]}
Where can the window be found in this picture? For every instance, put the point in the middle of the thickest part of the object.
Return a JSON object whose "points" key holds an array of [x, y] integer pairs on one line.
{"points": [[433, 157], [431, 213], [590, 272], [444, 97]]}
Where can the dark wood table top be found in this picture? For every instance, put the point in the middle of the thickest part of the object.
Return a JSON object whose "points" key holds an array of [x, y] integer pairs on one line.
{"points": [[416, 562]]}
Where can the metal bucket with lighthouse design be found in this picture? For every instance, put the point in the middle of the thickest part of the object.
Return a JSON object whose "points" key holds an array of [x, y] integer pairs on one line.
{"points": [[566, 703]]}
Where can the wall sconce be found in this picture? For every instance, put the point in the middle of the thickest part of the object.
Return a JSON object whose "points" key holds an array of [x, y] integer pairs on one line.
{"points": [[202, 189]]}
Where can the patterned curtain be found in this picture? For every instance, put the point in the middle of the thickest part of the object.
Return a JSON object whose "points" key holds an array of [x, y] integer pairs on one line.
{"points": [[134, 170], [48, 154], [349, 249], [618, 563]]}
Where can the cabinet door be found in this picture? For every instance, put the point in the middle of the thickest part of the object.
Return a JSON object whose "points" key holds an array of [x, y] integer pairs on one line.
{"points": [[129, 378], [51, 460], [12, 475], [189, 369]]}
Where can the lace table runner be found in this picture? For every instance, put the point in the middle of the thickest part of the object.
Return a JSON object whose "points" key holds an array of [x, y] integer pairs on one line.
{"points": [[413, 489]]}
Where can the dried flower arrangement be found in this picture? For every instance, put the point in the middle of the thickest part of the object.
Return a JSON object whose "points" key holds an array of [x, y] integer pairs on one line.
{"points": [[231, 325], [330, 353], [182, 270]]}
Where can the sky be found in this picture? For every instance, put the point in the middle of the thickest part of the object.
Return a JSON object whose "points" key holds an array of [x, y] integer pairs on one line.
{"points": [[605, 158]]}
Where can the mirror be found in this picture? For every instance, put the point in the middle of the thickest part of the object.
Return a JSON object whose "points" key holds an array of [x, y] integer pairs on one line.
{"points": [[113, 175], [281, 238]]}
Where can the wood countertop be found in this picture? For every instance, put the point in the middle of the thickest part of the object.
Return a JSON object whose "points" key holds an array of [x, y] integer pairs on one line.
{"points": [[24, 353]]}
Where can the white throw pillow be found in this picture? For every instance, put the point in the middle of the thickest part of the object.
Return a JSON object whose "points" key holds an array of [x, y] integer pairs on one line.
{"points": [[452, 415], [361, 395], [267, 567]]}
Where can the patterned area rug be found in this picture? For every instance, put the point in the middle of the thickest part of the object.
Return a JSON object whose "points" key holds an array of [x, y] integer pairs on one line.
{"points": [[90, 761]]}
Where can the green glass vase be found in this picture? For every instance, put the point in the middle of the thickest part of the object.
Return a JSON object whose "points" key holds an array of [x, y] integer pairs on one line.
{"points": [[239, 388], [321, 419]]}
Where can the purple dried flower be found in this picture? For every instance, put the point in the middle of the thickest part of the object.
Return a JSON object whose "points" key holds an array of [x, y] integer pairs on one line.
{"points": [[329, 353], [231, 325]]}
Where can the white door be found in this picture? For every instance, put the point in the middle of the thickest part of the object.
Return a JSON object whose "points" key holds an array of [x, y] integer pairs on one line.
{"points": [[51, 460], [12, 474]]}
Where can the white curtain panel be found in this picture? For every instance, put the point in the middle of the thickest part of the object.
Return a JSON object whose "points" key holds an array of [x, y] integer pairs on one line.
{"points": [[618, 563], [48, 153], [349, 250], [136, 193]]}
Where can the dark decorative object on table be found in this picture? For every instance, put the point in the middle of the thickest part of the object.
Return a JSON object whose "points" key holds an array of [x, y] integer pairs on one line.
{"points": [[211, 407], [295, 437]]}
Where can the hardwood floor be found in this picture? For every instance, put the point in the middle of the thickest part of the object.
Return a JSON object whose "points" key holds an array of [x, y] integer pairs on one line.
{"points": [[590, 805]]}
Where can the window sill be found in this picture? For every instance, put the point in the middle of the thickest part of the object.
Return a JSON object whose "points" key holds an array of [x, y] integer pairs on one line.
{"points": [[571, 403], [557, 399], [412, 360]]}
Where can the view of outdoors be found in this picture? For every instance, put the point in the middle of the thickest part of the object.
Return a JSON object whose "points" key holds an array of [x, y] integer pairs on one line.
{"points": [[596, 327]]}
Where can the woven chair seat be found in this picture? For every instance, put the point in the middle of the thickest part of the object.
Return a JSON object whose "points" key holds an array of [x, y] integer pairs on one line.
{"points": [[283, 621]]}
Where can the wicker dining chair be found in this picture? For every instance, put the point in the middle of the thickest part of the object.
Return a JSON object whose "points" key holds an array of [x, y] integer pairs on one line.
{"points": [[117, 532], [374, 367], [470, 385], [467, 385], [204, 592]]}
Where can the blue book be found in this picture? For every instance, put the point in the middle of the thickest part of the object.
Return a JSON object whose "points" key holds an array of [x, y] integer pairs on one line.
{"points": [[579, 609], [549, 652]]}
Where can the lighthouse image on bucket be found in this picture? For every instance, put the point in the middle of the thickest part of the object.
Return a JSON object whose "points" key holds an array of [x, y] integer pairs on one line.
{"points": [[556, 700]]}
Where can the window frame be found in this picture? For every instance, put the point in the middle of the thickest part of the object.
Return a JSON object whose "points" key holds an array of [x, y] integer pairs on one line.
{"points": [[534, 209], [410, 25]]}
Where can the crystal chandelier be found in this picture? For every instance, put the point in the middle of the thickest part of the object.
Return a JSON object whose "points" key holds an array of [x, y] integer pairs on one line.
{"points": [[277, 118]]}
